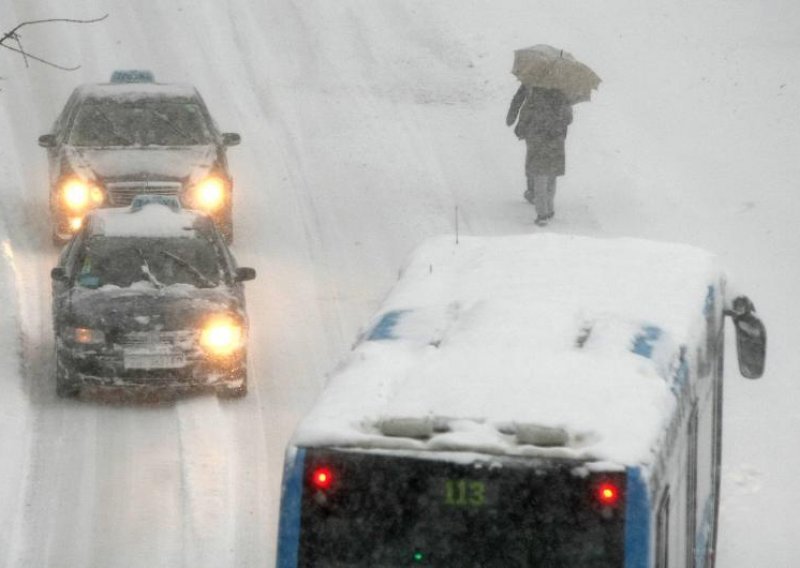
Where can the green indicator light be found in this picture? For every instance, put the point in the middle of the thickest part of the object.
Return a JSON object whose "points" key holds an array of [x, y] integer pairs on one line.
{"points": [[418, 556]]}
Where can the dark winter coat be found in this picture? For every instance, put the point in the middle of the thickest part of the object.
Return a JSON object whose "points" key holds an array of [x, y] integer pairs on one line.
{"points": [[544, 115]]}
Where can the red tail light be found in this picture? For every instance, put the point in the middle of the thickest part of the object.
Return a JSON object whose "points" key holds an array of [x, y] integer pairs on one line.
{"points": [[607, 494], [322, 478]]}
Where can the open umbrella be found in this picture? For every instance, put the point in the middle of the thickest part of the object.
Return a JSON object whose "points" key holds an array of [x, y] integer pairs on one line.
{"points": [[551, 68]]}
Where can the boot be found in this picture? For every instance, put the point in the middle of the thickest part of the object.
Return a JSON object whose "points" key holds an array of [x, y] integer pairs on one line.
{"points": [[528, 196]]}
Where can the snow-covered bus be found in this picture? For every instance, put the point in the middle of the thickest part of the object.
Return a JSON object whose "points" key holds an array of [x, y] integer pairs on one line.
{"points": [[538, 401]]}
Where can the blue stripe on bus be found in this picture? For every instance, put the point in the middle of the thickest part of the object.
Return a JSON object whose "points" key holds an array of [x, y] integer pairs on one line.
{"points": [[681, 373], [644, 341], [289, 523], [384, 329], [708, 306], [637, 520], [704, 534]]}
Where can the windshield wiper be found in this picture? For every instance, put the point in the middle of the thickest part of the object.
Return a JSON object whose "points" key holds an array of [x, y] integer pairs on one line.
{"points": [[185, 135], [187, 265], [125, 139], [146, 269]]}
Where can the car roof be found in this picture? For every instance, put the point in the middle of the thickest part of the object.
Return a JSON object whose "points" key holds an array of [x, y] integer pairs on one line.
{"points": [[138, 92], [563, 337], [152, 217]]}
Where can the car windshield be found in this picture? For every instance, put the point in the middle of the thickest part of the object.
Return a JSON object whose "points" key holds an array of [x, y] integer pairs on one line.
{"points": [[123, 261], [139, 123]]}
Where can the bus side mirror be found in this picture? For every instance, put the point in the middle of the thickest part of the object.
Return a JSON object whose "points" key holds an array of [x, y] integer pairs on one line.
{"points": [[47, 141], [245, 273], [751, 338], [231, 139]]}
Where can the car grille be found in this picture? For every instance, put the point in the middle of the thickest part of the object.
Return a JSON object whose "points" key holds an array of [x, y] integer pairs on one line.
{"points": [[121, 193]]}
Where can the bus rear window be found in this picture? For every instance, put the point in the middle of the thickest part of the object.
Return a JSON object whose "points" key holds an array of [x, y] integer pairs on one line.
{"points": [[362, 509]]}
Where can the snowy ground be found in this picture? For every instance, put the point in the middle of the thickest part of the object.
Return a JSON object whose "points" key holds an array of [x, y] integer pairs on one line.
{"points": [[365, 124]]}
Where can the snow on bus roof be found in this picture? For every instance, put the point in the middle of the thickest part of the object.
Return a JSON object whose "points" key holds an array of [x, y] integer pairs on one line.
{"points": [[523, 345], [153, 219]]}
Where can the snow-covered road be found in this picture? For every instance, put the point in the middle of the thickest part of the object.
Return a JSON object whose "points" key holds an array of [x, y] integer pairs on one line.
{"points": [[366, 127]]}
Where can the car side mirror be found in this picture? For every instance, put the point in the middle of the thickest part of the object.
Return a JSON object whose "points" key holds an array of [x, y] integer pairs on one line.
{"points": [[751, 338], [47, 140], [231, 138], [245, 273], [58, 274]]}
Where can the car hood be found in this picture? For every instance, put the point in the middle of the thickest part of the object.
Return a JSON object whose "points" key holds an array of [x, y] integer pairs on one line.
{"points": [[144, 308], [149, 163]]}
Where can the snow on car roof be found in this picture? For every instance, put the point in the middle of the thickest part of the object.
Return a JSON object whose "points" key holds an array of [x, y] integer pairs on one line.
{"points": [[134, 91], [523, 345], [151, 220]]}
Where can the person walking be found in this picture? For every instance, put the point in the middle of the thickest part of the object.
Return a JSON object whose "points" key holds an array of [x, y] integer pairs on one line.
{"points": [[544, 115]]}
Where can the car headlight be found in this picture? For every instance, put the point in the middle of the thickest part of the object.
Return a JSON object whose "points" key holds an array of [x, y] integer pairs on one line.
{"points": [[221, 335], [79, 195], [85, 335], [209, 194]]}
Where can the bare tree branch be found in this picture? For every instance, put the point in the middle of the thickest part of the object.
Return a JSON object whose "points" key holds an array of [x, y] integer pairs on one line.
{"points": [[13, 35], [40, 59], [49, 20], [19, 45]]}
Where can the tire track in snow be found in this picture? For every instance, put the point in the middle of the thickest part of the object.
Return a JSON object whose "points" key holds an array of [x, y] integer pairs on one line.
{"points": [[36, 539], [207, 486]]}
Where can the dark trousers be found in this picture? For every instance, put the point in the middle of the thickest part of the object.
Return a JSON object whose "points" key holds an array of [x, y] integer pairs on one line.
{"points": [[542, 188]]}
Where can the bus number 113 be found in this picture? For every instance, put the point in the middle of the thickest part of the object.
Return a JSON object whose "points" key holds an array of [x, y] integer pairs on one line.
{"points": [[464, 493]]}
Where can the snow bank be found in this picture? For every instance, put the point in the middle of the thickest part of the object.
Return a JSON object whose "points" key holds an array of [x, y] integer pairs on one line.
{"points": [[14, 405], [494, 340]]}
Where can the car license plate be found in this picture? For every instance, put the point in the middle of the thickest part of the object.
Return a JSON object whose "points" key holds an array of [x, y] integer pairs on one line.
{"points": [[153, 358]]}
